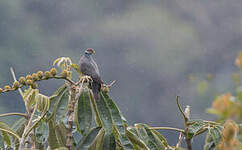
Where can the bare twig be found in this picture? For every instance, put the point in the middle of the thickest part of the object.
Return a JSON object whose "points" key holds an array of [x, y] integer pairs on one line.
{"points": [[14, 77], [180, 109], [67, 79], [111, 84], [179, 140], [83, 79], [21, 93]]}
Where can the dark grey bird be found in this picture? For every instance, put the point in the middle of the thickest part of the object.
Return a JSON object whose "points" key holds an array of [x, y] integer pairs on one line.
{"points": [[89, 67]]}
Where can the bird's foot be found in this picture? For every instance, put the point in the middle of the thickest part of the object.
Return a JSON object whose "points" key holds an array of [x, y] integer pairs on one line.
{"points": [[86, 79]]}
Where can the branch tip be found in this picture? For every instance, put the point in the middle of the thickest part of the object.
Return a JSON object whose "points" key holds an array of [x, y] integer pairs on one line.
{"points": [[180, 109]]}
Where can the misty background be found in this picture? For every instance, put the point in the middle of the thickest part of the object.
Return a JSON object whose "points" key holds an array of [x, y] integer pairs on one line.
{"points": [[152, 48]]}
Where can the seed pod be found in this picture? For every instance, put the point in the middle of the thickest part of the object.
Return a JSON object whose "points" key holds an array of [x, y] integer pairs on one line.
{"points": [[29, 82], [47, 74], [64, 73], [53, 71], [22, 80], [15, 85], [7, 87], [29, 77], [34, 85], [35, 77], [1, 90], [40, 74]]}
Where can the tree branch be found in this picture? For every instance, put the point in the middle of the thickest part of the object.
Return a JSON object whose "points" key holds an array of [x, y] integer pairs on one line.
{"points": [[180, 109]]}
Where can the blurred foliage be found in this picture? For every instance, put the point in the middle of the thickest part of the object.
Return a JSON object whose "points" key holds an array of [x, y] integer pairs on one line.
{"points": [[65, 119], [228, 109]]}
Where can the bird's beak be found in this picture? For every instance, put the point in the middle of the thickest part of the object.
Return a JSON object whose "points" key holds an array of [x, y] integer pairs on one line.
{"points": [[94, 52]]}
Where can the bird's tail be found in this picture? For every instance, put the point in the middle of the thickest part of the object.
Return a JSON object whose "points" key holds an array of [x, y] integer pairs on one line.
{"points": [[96, 88]]}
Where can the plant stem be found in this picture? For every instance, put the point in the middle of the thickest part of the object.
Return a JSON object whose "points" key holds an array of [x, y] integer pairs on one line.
{"points": [[24, 135], [167, 128], [60, 77], [180, 109], [189, 144], [12, 114], [179, 140], [186, 119], [70, 122]]}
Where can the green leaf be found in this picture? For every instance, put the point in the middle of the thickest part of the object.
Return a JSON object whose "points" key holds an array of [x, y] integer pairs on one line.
{"points": [[94, 106], [18, 127], [41, 133], [144, 136], [55, 97], [194, 128], [6, 138], [58, 103], [31, 98], [56, 61], [86, 142], [36, 121], [109, 142], [154, 138], [98, 142], [83, 113], [107, 123], [213, 138], [6, 129], [131, 133], [216, 133], [62, 107], [61, 132], [118, 121], [52, 138], [43, 103], [104, 114], [161, 137], [20, 122], [27, 92]]}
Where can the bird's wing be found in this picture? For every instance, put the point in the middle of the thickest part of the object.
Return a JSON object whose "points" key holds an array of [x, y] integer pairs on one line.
{"points": [[90, 70]]}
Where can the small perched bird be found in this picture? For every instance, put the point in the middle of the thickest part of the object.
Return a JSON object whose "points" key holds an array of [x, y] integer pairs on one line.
{"points": [[89, 67]]}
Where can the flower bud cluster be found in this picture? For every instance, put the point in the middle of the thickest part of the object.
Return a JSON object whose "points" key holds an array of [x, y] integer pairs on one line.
{"points": [[30, 80]]}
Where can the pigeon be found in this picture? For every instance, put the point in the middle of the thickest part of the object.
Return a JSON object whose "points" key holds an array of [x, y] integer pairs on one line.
{"points": [[89, 67]]}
